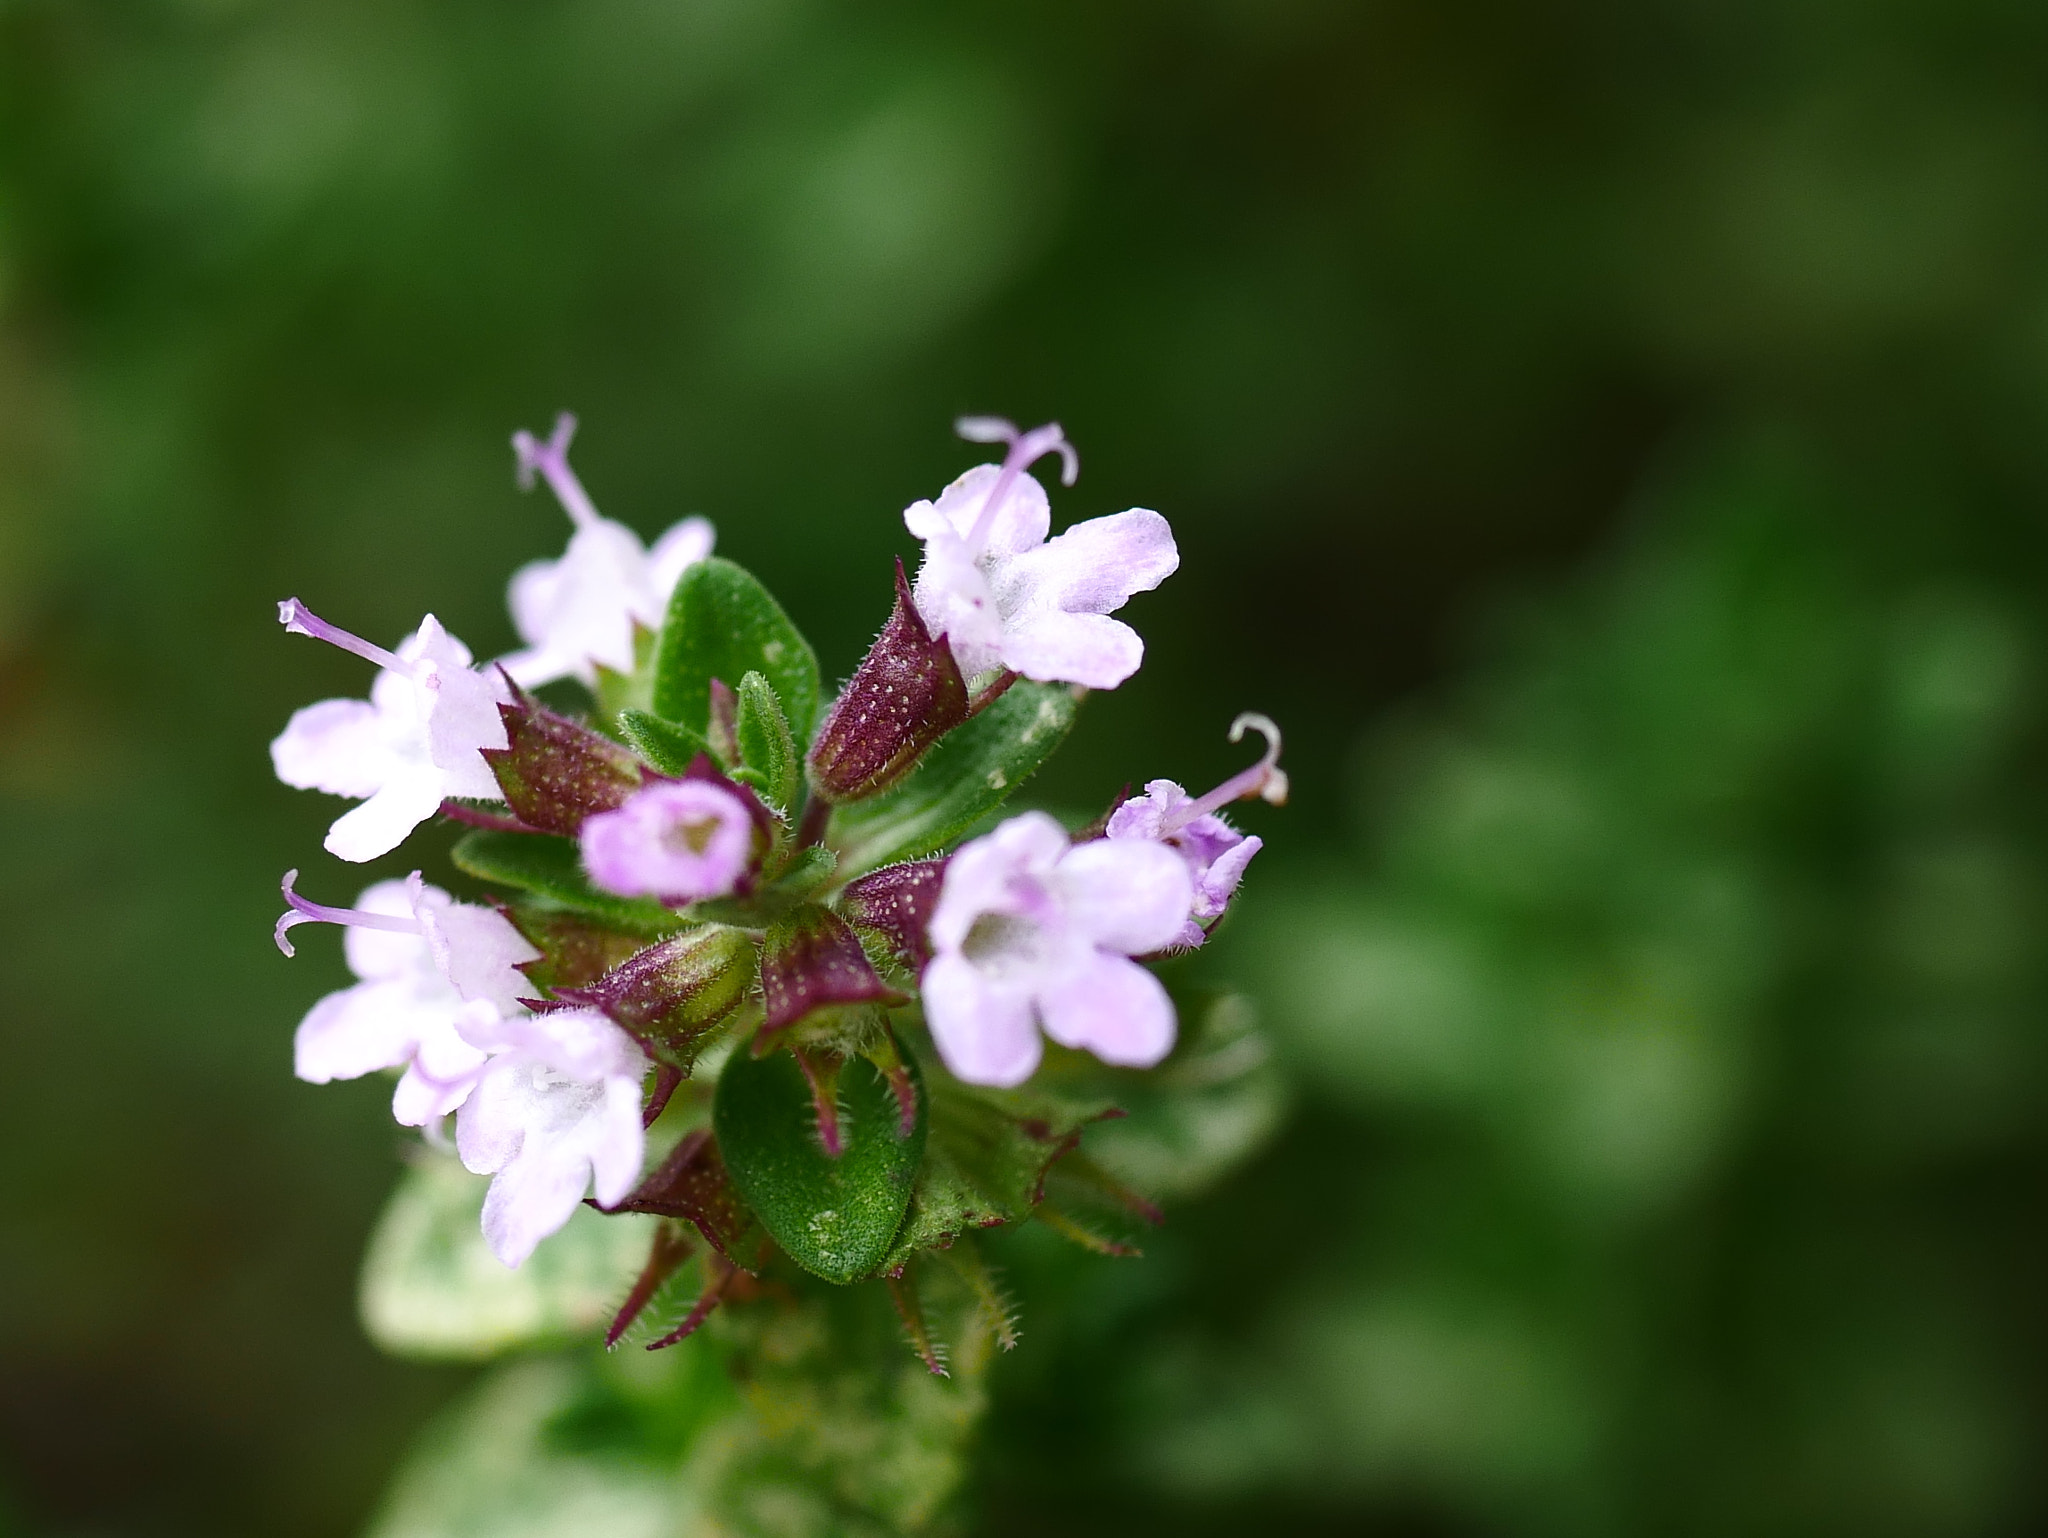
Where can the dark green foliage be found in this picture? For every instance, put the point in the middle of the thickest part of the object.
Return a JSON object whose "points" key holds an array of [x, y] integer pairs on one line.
{"points": [[551, 869], [835, 1217], [722, 624], [972, 772]]}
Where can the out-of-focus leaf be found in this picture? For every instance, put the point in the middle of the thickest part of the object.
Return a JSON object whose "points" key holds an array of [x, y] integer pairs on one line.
{"points": [[834, 1217], [431, 1287], [493, 1468], [973, 770], [1199, 1114], [551, 868], [722, 623]]}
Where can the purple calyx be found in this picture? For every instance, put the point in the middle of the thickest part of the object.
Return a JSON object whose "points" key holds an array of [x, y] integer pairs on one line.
{"points": [[905, 695], [812, 961], [556, 773], [896, 902]]}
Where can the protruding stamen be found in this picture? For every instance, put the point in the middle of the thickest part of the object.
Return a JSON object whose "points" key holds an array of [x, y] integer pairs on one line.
{"points": [[304, 912], [550, 459], [1026, 449], [1265, 780], [300, 620]]}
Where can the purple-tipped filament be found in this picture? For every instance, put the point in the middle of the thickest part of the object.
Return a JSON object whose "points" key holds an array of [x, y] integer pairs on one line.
{"points": [[300, 620], [550, 460], [303, 912], [1263, 781], [1026, 449]]}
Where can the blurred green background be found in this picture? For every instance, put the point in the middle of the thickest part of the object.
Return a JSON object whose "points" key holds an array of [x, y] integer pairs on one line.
{"points": [[1612, 438]]}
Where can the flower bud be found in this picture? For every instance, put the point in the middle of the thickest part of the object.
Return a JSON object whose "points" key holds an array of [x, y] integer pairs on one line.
{"points": [[556, 772], [813, 961], [906, 694], [672, 993]]}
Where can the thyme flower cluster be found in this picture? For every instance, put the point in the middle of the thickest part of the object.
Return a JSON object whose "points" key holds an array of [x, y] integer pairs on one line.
{"points": [[711, 871]]}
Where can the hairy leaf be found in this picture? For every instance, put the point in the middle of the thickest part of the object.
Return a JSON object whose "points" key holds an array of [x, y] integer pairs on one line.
{"points": [[670, 747], [973, 770], [986, 1159], [768, 750], [835, 1217], [723, 624]]}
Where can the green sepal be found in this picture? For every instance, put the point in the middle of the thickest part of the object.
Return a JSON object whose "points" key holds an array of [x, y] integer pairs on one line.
{"points": [[722, 623], [768, 751], [667, 745], [986, 1160], [672, 994], [551, 868], [972, 771], [837, 1218]]}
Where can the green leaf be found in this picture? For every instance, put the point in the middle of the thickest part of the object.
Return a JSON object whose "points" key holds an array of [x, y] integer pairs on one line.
{"points": [[972, 771], [834, 1217], [664, 744], [550, 868], [432, 1288], [767, 747], [723, 624]]}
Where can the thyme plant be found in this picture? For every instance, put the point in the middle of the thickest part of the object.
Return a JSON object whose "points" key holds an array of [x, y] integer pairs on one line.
{"points": [[770, 1010]]}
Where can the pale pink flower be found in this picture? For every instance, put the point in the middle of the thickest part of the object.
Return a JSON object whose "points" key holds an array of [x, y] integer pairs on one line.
{"points": [[679, 840], [555, 1115], [415, 742], [1006, 597], [1033, 932], [578, 613], [429, 968], [1216, 854]]}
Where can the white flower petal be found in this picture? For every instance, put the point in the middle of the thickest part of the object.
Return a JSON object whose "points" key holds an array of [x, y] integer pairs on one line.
{"points": [[1088, 649], [356, 1031], [385, 953], [1112, 1007], [995, 874], [1091, 568], [337, 746], [983, 1031], [1128, 895], [381, 823], [530, 1199], [1020, 524], [485, 953]]}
